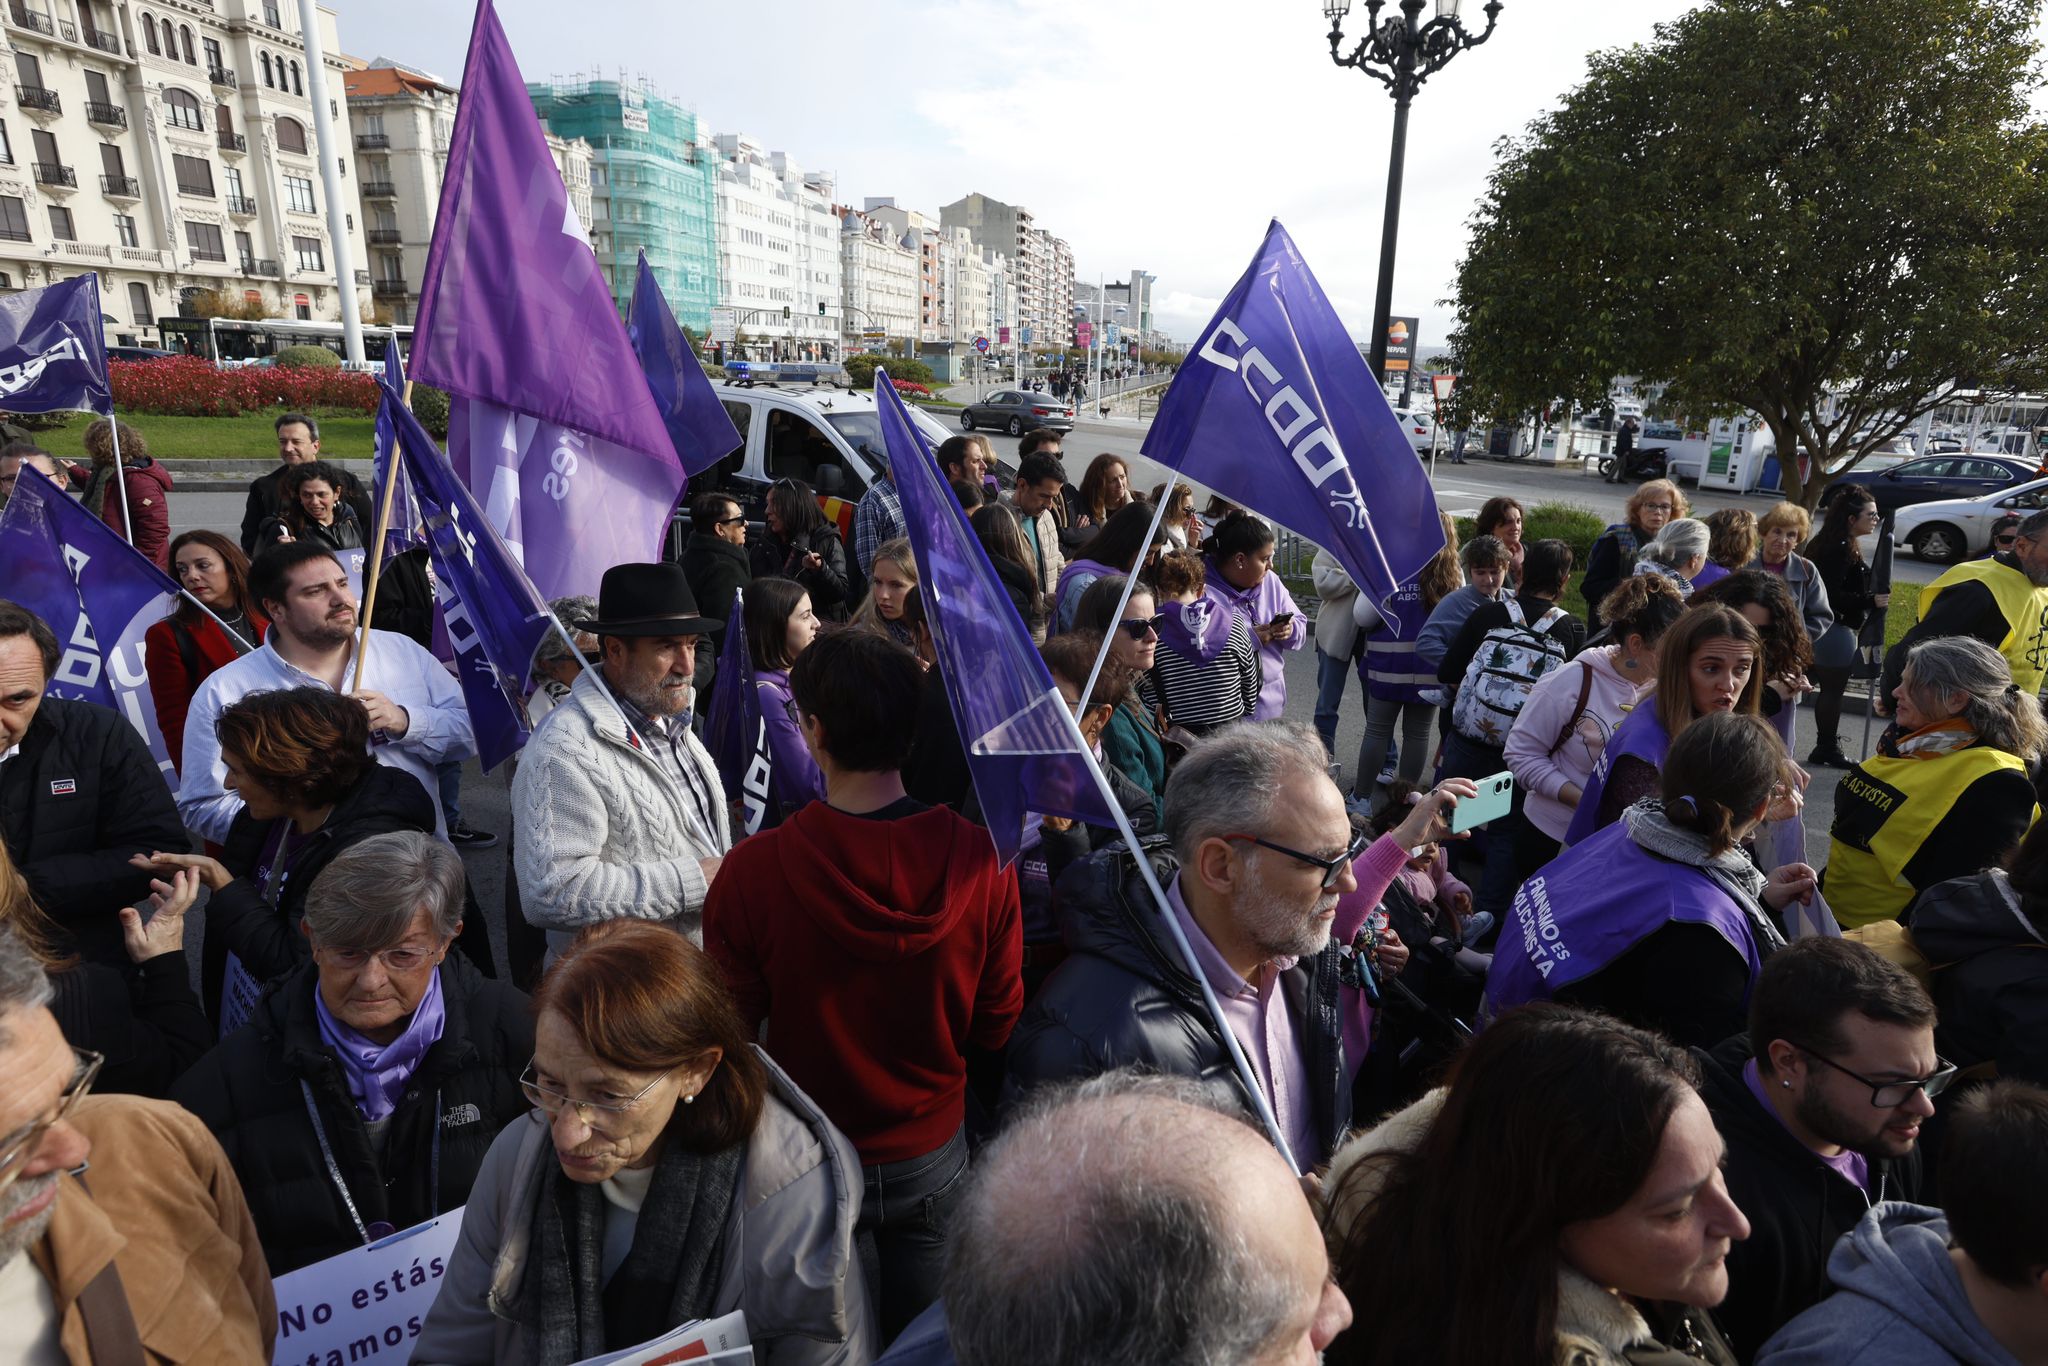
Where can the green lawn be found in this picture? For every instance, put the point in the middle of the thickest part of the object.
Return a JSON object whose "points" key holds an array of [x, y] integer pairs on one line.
{"points": [[246, 438]]}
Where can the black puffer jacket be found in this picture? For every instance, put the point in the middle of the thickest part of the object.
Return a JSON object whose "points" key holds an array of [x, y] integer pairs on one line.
{"points": [[1798, 1206], [252, 1092], [1123, 998], [265, 936], [76, 803], [713, 569], [1990, 954], [830, 591]]}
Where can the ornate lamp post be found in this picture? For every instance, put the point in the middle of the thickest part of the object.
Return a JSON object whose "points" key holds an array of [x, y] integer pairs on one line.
{"points": [[1400, 52]]}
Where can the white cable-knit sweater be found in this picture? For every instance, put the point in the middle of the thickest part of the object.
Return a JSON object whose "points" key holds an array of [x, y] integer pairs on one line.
{"points": [[603, 829]]}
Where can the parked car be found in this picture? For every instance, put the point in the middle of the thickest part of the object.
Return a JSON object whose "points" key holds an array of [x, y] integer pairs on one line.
{"points": [[829, 438], [1018, 411], [1959, 528], [138, 353], [1420, 427], [1933, 478]]}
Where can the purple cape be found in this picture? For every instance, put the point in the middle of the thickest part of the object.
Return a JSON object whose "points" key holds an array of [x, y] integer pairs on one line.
{"points": [[1595, 902], [793, 777], [1641, 735], [1197, 631]]}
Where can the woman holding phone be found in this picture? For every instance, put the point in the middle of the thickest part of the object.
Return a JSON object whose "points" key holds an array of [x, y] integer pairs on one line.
{"points": [[1241, 580]]}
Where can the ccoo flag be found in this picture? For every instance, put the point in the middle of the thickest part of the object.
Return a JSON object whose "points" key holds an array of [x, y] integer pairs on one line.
{"points": [[1020, 749], [495, 617], [406, 531], [698, 424], [734, 732], [98, 594], [1275, 409], [53, 355], [550, 420]]}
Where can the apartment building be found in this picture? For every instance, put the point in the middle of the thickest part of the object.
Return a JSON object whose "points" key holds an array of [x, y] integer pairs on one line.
{"points": [[1041, 265], [399, 123], [881, 283], [169, 148], [778, 252]]}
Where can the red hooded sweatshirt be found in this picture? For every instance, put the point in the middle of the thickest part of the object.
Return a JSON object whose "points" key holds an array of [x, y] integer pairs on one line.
{"points": [[877, 951]]}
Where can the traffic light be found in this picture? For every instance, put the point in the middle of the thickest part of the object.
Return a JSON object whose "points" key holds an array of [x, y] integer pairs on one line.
{"points": [[821, 308], [785, 312]]}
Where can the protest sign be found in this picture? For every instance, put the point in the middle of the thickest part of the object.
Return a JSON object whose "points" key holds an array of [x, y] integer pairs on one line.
{"points": [[367, 1304]]}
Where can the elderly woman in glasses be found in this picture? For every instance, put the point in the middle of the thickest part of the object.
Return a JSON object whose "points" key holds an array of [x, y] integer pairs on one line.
{"points": [[366, 1088], [670, 1172]]}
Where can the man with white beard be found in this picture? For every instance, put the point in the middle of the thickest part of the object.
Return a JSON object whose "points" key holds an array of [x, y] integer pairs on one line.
{"points": [[154, 1257], [1258, 848]]}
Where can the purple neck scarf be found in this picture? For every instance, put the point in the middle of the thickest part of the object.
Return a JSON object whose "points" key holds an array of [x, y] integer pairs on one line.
{"points": [[1193, 630], [377, 1072]]}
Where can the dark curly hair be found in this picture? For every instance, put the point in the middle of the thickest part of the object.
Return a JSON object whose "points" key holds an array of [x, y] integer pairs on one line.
{"points": [[308, 742], [1786, 648]]}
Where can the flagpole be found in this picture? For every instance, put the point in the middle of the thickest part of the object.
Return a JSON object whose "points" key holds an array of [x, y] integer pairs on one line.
{"points": [[394, 471], [1131, 581], [120, 475], [1250, 1079]]}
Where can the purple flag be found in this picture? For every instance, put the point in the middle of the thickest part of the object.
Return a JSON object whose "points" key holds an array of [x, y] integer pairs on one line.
{"points": [[698, 424], [98, 594], [496, 619], [406, 531], [733, 732], [1277, 410], [550, 420], [1020, 749], [53, 355]]}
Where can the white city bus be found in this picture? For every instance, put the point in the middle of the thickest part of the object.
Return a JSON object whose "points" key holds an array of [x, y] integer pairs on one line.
{"points": [[233, 341]]}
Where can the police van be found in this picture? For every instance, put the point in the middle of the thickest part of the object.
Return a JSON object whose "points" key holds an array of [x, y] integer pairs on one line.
{"points": [[829, 438]]}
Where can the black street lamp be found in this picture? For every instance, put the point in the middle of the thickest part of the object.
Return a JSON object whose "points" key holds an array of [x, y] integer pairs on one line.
{"points": [[1400, 53]]}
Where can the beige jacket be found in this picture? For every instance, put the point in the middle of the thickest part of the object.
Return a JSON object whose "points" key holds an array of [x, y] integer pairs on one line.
{"points": [[166, 1209]]}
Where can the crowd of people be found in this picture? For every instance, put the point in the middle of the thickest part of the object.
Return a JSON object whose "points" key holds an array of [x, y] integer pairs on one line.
{"points": [[1274, 1067]]}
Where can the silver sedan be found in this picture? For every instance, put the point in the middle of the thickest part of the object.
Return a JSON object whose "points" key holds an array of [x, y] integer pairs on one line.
{"points": [[1958, 528]]}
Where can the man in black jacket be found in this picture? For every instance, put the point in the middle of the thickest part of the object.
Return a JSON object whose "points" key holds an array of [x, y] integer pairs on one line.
{"points": [[333, 1151], [298, 442], [1822, 1119], [79, 795], [714, 562], [1258, 848]]}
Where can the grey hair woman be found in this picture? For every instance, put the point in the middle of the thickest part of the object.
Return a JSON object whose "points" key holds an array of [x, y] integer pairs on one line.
{"points": [[1678, 552], [365, 1090], [1947, 794]]}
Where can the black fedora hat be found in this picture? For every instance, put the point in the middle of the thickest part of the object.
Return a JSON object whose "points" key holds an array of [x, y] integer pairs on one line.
{"points": [[646, 600]]}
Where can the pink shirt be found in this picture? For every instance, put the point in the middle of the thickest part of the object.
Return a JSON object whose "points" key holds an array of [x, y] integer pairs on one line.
{"points": [[1257, 1016]]}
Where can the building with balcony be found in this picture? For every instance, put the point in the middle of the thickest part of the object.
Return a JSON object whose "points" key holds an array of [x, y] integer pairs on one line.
{"points": [[399, 121], [652, 178], [778, 252], [880, 284], [1041, 265], [126, 149]]}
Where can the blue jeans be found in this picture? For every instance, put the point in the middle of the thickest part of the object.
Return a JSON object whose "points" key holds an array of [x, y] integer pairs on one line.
{"points": [[450, 775], [901, 1236], [1465, 758], [1330, 676]]}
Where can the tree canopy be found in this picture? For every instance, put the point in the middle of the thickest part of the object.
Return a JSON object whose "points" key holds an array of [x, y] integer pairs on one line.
{"points": [[1832, 212]]}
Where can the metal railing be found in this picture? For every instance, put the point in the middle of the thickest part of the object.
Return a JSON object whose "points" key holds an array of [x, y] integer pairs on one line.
{"points": [[112, 115], [233, 142], [37, 97], [389, 289], [241, 204], [223, 76], [379, 189], [32, 19], [121, 186], [12, 234], [372, 141], [50, 173], [385, 237], [260, 266], [105, 42]]}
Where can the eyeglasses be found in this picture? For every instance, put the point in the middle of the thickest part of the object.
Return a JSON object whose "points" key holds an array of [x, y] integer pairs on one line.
{"points": [[394, 960], [16, 1148], [737, 519], [1890, 1095], [552, 1102], [1656, 507], [1333, 868], [1137, 628]]}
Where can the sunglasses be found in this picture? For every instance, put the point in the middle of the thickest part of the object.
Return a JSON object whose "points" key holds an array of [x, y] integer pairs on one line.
{"points": [[1137, 628], [2005, 542]]}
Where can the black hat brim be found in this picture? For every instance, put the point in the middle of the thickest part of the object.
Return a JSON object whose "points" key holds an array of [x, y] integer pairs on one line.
{"points": [[658, 626]]}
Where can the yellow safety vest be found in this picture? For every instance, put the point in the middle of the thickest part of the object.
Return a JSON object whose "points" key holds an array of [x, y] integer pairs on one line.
{"points": [[1884, 811], [2025, 646]]}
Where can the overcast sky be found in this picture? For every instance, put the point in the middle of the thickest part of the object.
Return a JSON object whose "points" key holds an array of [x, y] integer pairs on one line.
{"points": [[1161, 134]]}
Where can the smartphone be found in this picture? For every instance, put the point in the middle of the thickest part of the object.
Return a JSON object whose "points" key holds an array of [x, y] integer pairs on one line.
{"points": [[1282, 619], [1496, 797]]}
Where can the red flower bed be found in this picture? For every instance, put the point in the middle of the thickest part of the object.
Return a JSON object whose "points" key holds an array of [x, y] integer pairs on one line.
{"points": [[911, 387], [187, 386]]}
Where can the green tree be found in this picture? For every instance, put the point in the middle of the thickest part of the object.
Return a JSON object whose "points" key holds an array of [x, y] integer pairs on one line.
{"points": [[1832, 212]]}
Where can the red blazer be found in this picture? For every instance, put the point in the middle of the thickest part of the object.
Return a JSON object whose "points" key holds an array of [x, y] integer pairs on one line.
{"points": [[171, 683]]}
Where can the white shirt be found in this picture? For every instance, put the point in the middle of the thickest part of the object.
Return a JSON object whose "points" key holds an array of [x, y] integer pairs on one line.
{"points": [[28, 1315], [403, 671]]}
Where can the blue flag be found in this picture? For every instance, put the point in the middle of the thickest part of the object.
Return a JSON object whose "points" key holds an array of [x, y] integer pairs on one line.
{"points": [[734, 732], [98, 594], [1275, 409], [697, 422], [496, 618], [550, 421], [1020, 749], [406, 533], [53, 355]]}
